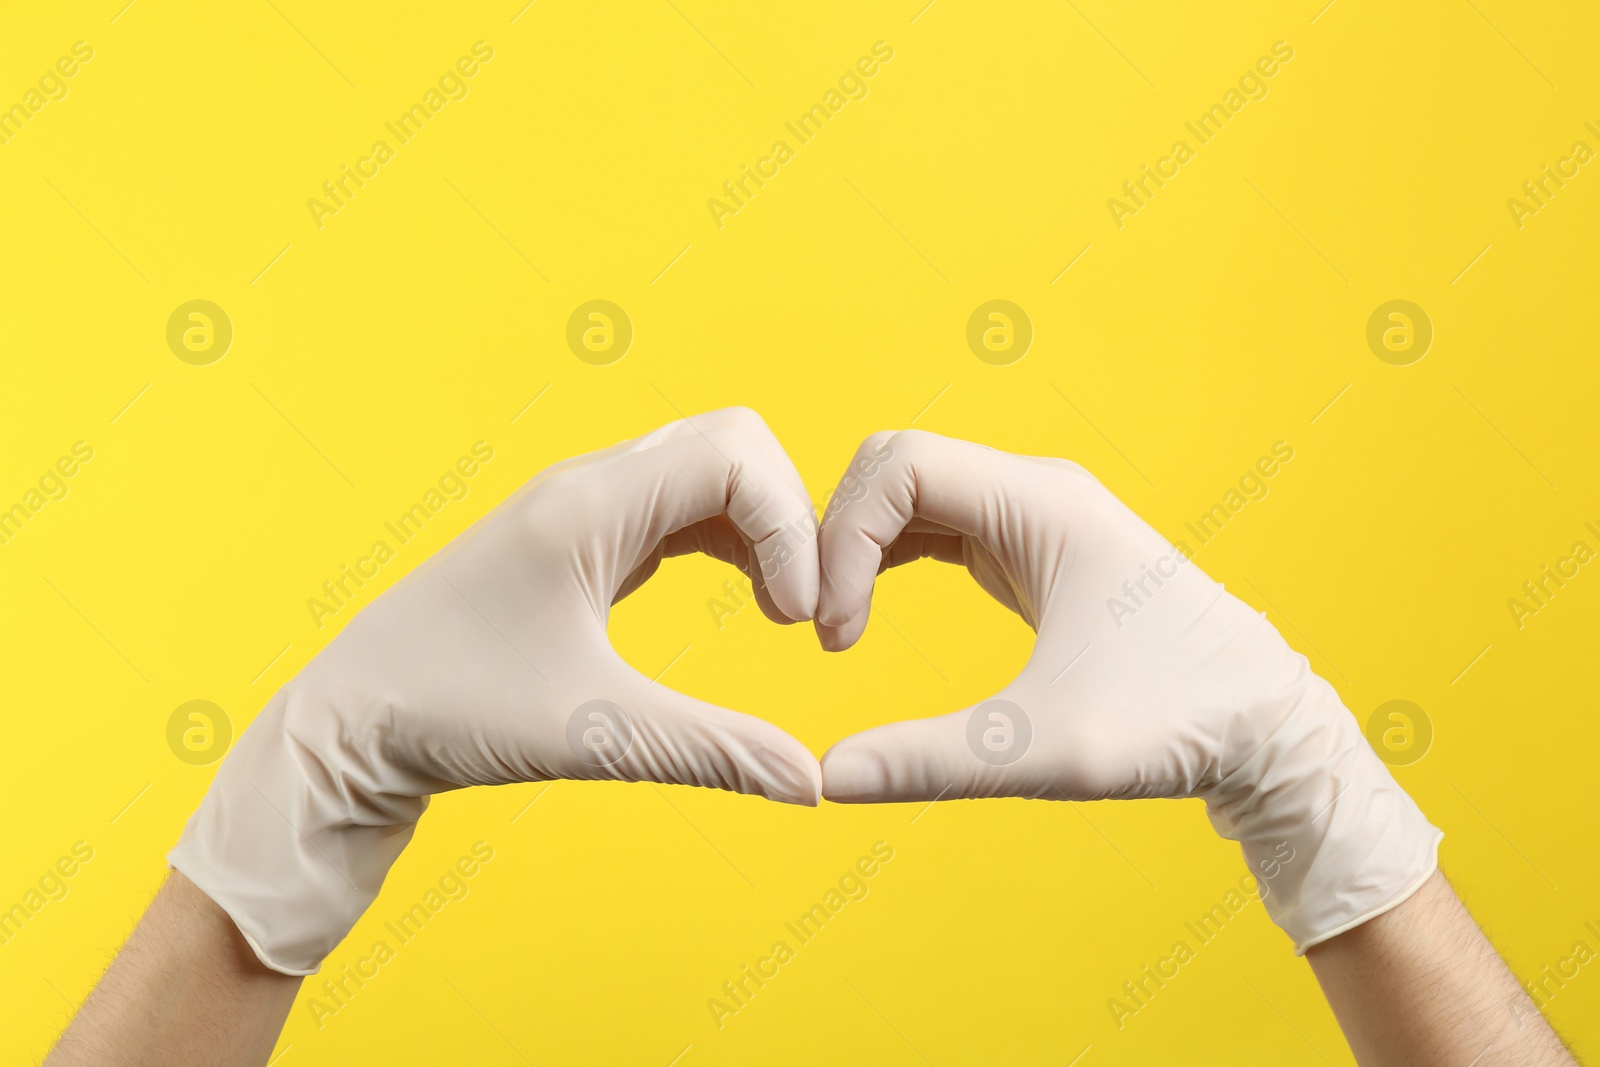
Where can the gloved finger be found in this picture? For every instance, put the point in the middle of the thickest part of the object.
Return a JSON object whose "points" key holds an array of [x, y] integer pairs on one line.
{"points": [[763, 595], [718, 537], [715, 537], [907, 548], [731, 418], [659, 735], [895, 479], [697, 475], [988, 750]]}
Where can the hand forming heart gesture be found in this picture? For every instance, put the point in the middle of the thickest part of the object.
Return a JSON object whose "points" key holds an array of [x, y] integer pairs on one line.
{"points": [[490, 664]]}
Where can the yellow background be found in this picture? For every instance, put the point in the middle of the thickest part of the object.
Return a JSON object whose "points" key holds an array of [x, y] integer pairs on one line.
{"points": [[1223, 317]]}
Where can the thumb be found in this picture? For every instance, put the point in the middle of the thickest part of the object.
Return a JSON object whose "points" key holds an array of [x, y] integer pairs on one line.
{"points": [[664, 736], [980, 751]]}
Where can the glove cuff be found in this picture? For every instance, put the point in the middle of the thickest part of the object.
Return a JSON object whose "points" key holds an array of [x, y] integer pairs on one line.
{"points": [[292, 852], [1329, 835]]}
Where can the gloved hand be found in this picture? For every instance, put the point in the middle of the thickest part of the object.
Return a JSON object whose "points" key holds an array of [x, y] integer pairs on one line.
{"points": [[490, 664], [1147, 679]]}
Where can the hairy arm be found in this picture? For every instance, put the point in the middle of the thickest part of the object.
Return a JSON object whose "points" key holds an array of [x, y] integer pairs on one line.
{"points": [[185, 990], [1420, 984]]}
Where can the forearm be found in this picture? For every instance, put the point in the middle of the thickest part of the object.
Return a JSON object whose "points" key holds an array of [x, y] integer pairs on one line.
{"points": [[186, 989], [1420, 984]]}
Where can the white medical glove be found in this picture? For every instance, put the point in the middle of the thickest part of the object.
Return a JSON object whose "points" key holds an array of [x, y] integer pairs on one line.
{"points": [[1147, 679], [490, 664]]}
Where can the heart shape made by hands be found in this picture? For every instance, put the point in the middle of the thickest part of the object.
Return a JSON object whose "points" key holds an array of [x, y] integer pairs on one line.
{"points": [[490, 664]]}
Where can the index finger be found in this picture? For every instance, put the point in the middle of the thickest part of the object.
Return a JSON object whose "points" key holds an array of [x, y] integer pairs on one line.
{"points": [[729, 468], [894, 479]]}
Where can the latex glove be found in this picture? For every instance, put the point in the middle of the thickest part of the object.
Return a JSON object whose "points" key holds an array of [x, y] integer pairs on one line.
{"points": [[1147, 679], [479, 668]]}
